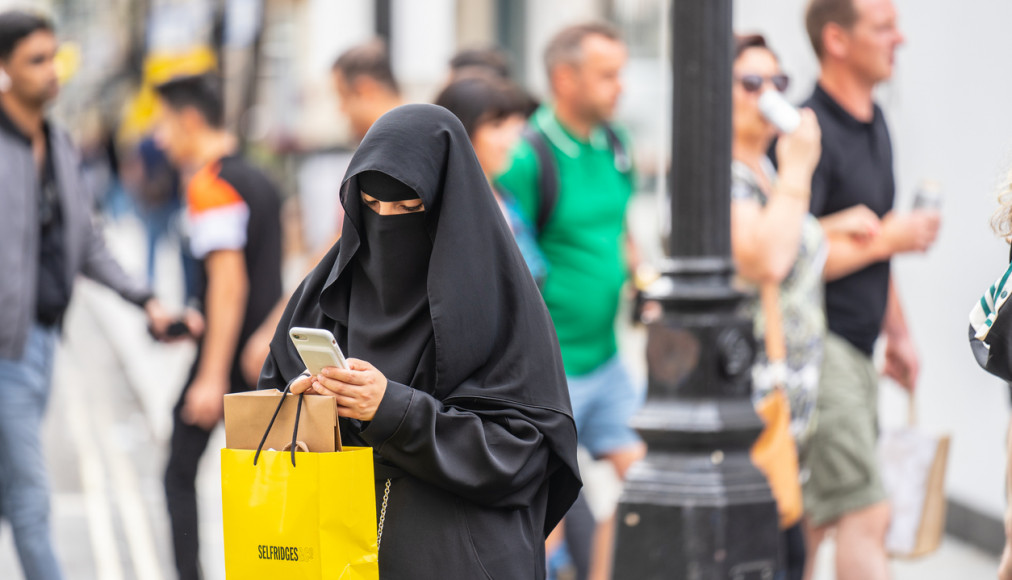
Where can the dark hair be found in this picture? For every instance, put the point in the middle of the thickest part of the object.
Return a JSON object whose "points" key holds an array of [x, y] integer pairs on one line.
{"points": [[202, 92], [479, 97], [566, 47], [743, 42], [372, 60], [490, 59], [16, 25], [823, 12]]}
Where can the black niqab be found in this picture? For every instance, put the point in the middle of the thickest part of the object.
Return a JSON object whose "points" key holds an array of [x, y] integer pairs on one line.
{"points": [[491, 348], [388, 306]]}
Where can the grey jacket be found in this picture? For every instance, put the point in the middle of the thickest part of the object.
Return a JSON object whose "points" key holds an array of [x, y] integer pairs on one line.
{"points": [[20, 231]]}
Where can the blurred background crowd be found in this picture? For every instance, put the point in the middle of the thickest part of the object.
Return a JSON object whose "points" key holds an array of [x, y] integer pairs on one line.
{"points": [[297, 118]]}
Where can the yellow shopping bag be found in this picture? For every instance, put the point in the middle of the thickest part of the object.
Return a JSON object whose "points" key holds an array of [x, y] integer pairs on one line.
{"points": [[297, 515], [315, 520]]}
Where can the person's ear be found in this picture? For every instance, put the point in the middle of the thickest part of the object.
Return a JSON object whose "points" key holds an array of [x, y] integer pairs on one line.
{"points": [[835, 41], [563, 79], [5, 80], [365, 87], [190, 120]]}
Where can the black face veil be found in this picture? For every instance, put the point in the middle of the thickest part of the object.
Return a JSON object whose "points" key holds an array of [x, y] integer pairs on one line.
{"points": [[388, 304], [476, 329]]}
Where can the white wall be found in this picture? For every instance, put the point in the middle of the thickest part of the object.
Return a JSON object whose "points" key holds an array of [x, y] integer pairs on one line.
{"points": [[424, 39], [948, 110], [326, 29], [31, 4], [544, 20]]}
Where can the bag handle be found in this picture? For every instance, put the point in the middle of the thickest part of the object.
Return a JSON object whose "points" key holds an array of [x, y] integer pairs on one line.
{"points": [[295, 431], [776, 347], [911, 410]]}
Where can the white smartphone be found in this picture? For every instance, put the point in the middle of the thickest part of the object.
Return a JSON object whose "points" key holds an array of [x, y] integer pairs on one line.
{"points": [[318, 349]]}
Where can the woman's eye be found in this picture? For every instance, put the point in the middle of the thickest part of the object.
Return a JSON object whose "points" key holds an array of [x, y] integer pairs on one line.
{"points": [[413, 208]]}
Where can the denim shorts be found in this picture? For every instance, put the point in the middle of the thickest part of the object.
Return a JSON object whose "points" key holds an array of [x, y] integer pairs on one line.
{"points": [[603, 402]]}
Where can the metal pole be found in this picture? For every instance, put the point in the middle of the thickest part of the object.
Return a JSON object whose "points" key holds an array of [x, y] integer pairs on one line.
{"points": [[251, 82], [383, 22], [696, 508]]}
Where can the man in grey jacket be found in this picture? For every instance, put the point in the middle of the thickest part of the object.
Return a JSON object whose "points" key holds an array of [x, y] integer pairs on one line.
{"points": [[46, 239]]}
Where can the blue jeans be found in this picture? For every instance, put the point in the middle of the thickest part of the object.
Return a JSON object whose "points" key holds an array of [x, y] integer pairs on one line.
{"points": [[24, 488]]}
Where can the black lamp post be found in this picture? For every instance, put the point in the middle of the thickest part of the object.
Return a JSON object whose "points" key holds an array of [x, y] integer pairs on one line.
{"points": [[383, 21], [696, 508]]}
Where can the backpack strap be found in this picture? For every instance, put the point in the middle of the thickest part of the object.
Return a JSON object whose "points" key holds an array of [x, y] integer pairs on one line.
{"points": [[623, 163], [548, 176]]}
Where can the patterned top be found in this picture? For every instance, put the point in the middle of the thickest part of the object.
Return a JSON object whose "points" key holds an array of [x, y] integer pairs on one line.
{"points": [[802, 310], [986, 309]]}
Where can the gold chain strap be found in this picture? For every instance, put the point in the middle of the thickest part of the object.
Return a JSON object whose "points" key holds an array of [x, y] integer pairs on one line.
{"points": [[383, 515]]}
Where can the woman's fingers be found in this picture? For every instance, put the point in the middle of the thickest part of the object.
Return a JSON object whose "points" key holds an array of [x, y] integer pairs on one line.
{"points": [[301, 385], [328, 386], [357, 364], [349, 407], [358, 390], [352, 377]]}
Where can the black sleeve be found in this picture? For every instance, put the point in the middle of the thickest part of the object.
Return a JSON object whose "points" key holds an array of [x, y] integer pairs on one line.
{"points": [[493, 457], [820, 188], [270, 374]]}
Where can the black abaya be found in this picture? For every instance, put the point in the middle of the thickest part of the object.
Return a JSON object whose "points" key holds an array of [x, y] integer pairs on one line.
{"points": [[475, 425]]}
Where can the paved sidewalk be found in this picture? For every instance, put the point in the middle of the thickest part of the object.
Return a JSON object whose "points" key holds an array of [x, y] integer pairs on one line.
{"points": [[953, 561]]}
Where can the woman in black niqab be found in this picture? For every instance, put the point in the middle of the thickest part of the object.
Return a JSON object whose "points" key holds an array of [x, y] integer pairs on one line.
{"points": [[435, 305]]}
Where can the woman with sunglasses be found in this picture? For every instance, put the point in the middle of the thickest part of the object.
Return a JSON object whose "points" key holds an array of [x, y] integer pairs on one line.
{"points": [[779, 245]]}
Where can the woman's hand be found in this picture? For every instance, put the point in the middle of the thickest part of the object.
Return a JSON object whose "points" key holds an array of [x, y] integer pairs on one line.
{"points": [[799, 152], [358, 389], [303, 384]]}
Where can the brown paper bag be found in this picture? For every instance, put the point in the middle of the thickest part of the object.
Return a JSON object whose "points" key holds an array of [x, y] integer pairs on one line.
{"points": [[913, 471], [248, 414], [932, 528]]}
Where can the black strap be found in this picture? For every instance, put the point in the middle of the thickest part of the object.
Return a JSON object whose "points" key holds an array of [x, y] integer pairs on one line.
{"points": [[623, 163], [295, 432], [548, 172], [548, 176]]}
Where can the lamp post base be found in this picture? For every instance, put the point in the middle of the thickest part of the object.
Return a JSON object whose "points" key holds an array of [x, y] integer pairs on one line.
{"points": [[696, 516]]}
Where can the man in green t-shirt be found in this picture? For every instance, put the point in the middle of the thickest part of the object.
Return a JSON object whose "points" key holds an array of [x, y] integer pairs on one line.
{"points": [[583, 238]]}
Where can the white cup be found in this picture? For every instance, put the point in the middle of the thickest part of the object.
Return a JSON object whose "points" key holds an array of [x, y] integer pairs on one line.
{"points": [[779, 111]]}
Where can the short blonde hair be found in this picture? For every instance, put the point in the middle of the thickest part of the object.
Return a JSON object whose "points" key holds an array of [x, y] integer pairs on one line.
{"points": [[1001, 221]]}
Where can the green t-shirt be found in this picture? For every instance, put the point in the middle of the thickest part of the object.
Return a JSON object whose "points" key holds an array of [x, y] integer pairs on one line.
{"points": [[584, 240]]}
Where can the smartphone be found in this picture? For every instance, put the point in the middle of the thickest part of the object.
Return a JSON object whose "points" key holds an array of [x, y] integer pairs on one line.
{"points": [[318, 349], [176, 329]]}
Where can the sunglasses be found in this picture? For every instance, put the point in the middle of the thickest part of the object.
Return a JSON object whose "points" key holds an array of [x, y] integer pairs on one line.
{"points": [[754, 83]]}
